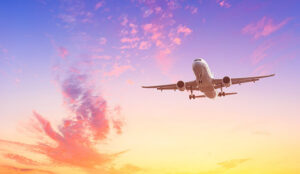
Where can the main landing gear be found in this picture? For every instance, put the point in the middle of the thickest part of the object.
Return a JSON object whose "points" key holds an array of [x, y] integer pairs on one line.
{"points": [[192, 96], [221, 94]]}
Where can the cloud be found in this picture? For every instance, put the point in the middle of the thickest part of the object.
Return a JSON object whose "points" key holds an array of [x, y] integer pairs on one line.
{"points": [[118, 70], [147, 13], [129, 40], [163, 59], [177, 41], [20, 159], [223, 3], [16, 170], [260, 52], [63, 52], [263, 27], [192, 9], [183, 29], [73, 142], [262, 132], [102, 41], [130, 82], [144, 45], [99, 5], [67, 18], [232, 163], [126, 169]]}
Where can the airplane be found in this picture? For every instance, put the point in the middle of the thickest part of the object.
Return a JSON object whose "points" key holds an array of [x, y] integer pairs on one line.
{"points": [[206, 83]]}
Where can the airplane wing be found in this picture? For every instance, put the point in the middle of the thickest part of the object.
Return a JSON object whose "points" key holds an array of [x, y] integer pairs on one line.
{"points": [[188, 85], [218, 82]]}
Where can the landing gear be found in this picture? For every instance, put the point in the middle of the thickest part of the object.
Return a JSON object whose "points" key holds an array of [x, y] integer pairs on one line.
{"points": [[221, 94], [192, 96]]}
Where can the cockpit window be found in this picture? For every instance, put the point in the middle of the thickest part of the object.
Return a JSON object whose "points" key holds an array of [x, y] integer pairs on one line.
{"points": [[197, 60]]}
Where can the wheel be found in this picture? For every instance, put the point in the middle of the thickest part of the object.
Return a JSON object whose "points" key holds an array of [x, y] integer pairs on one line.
{"points": [[190, 97], [194, 96]]}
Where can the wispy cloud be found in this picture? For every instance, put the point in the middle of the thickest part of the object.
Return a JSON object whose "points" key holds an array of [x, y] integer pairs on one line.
{"points": [[264, 27], [16, 170], [260, 52], [20, 159], [232, 163], [63, 52], [117, 70]]}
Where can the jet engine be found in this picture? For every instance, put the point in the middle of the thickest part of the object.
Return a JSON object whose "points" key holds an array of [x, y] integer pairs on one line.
{"points": [[180, 85], [226, 81]]}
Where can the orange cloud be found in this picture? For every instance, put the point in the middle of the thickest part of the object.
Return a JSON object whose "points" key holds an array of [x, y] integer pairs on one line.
{"points": [[6, 169], [263, 27], [20, 159]]}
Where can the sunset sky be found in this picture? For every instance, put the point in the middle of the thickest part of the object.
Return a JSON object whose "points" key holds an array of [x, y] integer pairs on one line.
{"points": [[71, 100]]}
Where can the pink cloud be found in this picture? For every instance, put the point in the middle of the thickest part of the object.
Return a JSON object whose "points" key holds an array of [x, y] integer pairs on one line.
{"points": [[260, 52], [177, 41], [102, 41], [144, 45], [63, 52], [192, 9], [129, 82], [263, 27], [223, 3], [73, 142], [133, 28], [163, 60], [118, 70], [124, 21], [105, 57], [147, 13], [129, 40], [99, 4], [183, 29]]}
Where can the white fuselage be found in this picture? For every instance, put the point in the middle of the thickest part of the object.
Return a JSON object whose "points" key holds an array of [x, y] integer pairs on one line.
{"points": [[204, 78]]}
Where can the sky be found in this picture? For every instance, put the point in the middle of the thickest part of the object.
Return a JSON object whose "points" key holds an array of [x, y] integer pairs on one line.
{"points": [[71, 100]]}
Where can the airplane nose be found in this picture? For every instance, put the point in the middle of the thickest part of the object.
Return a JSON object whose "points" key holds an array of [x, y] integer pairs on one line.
{"points": [[196, 64]]}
